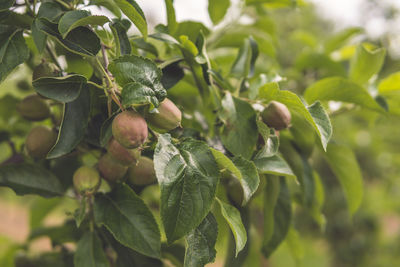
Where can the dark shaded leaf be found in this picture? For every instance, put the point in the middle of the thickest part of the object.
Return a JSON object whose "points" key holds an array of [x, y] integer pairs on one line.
{"points": [[80, 40], [106, 131], [64, 89], [89, 252], [13, 50], [129, 220], [50, 10], [73, 19], [5, 4], [172, 74], [120, 29], [73, 126], [30, 179], [282, 215]]}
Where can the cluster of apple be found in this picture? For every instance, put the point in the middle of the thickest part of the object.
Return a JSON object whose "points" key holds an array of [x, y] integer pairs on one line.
{"points": [[122, 159]]}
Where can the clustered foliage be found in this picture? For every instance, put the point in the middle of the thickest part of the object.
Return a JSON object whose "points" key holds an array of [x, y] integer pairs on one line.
{"points": [[157, 177]]}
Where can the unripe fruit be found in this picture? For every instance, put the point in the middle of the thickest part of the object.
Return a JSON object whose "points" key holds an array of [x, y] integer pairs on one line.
{"points": [[45, 69], [33, 108], [121, 154], [110, 169], [39, 141], [142, 173], [168, 117], [86, 180], [276, 115], [129, 129]]}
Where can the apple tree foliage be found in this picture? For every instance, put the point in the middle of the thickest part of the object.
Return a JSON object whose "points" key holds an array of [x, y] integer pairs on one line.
{"points": [[220, 165]]}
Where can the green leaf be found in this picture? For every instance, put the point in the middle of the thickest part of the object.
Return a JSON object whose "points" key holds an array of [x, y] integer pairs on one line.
{"points": [[5, 4], [345, 166], [138, 94], [301, 168], [339, 39], [217, 9], [40, 208], [13, 50], [80, 40], [282, 213], [18, 20], [30, 179], [132, 10], [270, 139], [321, 119], [73, 19], [129, 220], [106, 131], [110, 5], [50, 10], [191, 29], [243, 170], [139, 43], [365, 63], [80, 212], [232, 217], [295, 245], [128, 69], [89, 252], [39, 37], [320, 123], [201, 243], [64, 89], [390, 83], [171, 19], [188, 177], [79, 65], [59, 234], [129, 258], [274, 165], [271, 193], [341, 89], [172, 74], [120, 29], [239, 133], [73, 126], [243, 66]]}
